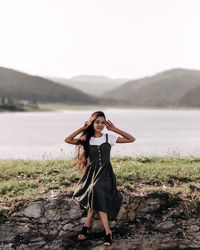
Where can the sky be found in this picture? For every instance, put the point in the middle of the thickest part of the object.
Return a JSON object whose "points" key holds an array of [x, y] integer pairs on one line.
{"points": [[113, 38]]}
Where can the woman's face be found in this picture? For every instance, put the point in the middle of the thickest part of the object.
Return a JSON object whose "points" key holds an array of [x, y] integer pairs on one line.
{"points": [[99, 123]]}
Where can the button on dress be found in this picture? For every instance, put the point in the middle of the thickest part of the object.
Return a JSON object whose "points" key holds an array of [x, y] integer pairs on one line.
{"points": [[96, 189]]}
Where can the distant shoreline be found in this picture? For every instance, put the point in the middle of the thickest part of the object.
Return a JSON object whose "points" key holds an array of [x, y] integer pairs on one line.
{"points": [[53, 107]]}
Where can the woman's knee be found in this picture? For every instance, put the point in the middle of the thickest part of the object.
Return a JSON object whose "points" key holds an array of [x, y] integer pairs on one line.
{"points": [[91, 211], [101, 212]]}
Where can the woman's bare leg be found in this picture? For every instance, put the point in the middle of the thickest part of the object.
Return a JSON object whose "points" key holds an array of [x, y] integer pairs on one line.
{"points": [[87, 223], [104, 219], [89, 217]]}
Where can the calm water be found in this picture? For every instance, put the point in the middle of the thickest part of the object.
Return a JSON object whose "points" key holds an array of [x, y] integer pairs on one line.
{"points": [[157, 132]]}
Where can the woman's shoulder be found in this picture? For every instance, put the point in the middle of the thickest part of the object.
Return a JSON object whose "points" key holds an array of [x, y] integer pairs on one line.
{"points": [[112, 135], [112, 139]]}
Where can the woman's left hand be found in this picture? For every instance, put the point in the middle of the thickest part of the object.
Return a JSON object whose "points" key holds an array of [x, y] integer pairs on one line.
{"points": [[110, 125]]}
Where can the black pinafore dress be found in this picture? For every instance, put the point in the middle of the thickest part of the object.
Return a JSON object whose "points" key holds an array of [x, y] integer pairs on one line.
{"points": [[96, 189]]}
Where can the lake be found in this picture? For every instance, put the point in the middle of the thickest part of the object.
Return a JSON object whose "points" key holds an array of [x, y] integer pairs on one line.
{"points": [[40, 135]]}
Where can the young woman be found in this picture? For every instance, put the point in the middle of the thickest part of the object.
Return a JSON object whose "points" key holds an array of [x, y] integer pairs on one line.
{"points": [[96, 189]]}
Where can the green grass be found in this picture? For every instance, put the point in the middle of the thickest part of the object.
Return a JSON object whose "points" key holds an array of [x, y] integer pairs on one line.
{"points": [[160, 170], [32, 179]]}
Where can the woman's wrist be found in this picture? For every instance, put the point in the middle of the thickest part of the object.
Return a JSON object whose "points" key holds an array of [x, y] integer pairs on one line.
{"points": [[115, 129], [82, 128]]}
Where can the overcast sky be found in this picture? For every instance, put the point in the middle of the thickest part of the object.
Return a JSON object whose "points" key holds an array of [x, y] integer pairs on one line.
{"points": [[114, 38]]}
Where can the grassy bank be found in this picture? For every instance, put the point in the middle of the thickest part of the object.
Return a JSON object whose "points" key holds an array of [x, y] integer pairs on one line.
{"points": [[27, 180]]}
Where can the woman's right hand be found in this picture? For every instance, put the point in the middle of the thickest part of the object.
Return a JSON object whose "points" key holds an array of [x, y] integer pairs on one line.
{"points": [[86, 125]]}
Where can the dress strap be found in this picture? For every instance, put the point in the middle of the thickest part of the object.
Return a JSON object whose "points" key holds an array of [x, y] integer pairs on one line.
{"points": [[106, 137]]}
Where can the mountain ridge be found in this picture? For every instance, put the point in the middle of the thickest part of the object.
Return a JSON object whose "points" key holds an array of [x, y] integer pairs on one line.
{"points": [[93, 85], [19, 85], [176, 87], [163, 89]]}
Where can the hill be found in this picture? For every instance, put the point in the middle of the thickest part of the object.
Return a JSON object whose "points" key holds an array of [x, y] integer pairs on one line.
{"points": [[18, 85], [191, 98], [176, 88], [93, 85]]}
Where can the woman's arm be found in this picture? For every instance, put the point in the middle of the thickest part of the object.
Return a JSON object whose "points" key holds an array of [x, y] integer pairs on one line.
{"points": [[126, 137], [70, 138]]}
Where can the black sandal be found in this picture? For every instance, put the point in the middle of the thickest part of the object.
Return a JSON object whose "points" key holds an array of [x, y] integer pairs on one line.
{"points": [[85, 231], [108, 239]]}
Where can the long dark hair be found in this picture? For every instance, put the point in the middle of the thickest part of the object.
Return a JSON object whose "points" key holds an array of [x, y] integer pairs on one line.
{"points": [[83, 142]]}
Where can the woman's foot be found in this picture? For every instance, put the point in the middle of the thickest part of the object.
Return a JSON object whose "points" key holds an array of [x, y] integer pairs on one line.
{"points": [[83, 235], [108, 240]]}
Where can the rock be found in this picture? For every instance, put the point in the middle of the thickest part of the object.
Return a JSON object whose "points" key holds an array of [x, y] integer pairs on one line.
{"points": [[112, 224], [34, 210], [83, 220], [9, 232], [122, 214], [97, 226], [193, 228], [99, 246], [50, 214], [53, 231], [35, 245], [55, 223], [24, 247], [125, 199], [149, 205], [75, 213], [77, 228], [131, 214], [7, 247], [57, 216], [62, 233], [164, 226], [43, 220], [68, 226]]}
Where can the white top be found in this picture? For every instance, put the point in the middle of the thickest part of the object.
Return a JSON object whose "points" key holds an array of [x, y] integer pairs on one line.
{"points": [[99, 140]]}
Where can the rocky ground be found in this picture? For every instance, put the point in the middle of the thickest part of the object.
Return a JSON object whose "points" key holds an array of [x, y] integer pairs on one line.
{"points": [[158, 220]]}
